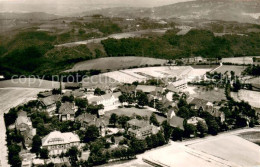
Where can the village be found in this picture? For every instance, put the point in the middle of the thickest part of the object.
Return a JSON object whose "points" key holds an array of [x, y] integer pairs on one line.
{"points": [[90, 124]]}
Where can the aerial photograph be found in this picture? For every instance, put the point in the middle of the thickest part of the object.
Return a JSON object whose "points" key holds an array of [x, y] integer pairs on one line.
{"points": [[129, 83]]}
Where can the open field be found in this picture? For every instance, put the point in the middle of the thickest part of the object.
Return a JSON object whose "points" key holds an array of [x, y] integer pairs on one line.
{"points": [[228, 68], [252, 97], [133, 111], [211, 95], [29, 83], [116, 63], [224, 150], [9, 98], [240, 151], [142, 74]]}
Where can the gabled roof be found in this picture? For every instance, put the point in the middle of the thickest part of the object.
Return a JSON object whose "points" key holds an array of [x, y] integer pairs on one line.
{"points": [[146, 88], [47, 101], [23, 119], [66, 108], [104, 97], [199, 103], [75, 93], [138, 123], [56, 137], [45, 94], [175, 121]]}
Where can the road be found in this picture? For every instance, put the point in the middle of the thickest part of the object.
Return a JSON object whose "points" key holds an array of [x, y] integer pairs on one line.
{"points": [[11, 97]]}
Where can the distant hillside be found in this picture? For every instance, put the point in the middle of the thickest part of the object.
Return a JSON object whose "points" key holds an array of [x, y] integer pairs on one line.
{"points": [[28, 16], [226, 10]]}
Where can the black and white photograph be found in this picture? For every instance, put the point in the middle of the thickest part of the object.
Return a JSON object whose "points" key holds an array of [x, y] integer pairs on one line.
{"points": [[129, 83]]}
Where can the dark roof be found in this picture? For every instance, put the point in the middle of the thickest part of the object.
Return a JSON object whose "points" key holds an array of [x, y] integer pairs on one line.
{"points": [[146, 88], [50, 100], [45, 94], [199, 103], [66, 108], [73, 85], [175, 121], [75, 93]]}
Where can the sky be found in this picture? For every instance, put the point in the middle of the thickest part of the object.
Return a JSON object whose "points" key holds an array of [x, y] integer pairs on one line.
{"points": [[73, 6]]}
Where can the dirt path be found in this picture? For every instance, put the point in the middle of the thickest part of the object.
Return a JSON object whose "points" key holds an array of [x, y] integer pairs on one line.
{"points": [[11, 97]]}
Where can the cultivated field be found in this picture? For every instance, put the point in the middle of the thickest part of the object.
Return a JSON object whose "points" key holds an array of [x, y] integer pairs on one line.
{"points": [[252, 97], [133, 111], [9, 98], [224, 150], [116, 63], [231, 149], [29, 83], [142, 74], [228, 68]]}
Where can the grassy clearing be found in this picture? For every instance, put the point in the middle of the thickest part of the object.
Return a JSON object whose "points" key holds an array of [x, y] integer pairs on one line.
{"points": [[116, 63], [133, 111]]}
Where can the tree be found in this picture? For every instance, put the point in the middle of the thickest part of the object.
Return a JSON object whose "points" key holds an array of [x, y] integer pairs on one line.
{"points": [[167, 130], [44, 153], [36, 144], [81, 103], [190, 130], [202, 128], [99, 92], [92, 133], [142, 99], [213, 127], [182, 103], [112, 139], [177, 134], [123, 98], [113, 119], [138, 146], [183, 112], [73, 154], [122, 120], [153, 120]]}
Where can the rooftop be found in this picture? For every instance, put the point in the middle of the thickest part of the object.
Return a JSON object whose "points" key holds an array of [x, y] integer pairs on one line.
{"points": [[56, 137]]}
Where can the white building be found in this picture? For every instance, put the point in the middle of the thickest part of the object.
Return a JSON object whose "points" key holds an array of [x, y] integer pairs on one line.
{"points": [[107, 100], [57, 142], [180, 84]]}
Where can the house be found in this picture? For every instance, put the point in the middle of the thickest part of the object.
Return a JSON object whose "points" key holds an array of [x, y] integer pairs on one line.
{"points": [[146, 88], [194, 121], [204, 105], [23, 124], [67, 111], [107, 100], [87, 119], [57, 142], [49, 103], [140, 129], [201, 104], [175, 121], [143, 132], [45, 94], [136, 124], [76, 93]]}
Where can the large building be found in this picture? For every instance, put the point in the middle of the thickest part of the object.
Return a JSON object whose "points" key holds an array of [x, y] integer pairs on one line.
{"points": [[57, 142], [140, 129], [107, 100], [67, 111], [49, 103]]}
